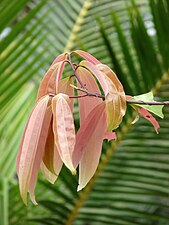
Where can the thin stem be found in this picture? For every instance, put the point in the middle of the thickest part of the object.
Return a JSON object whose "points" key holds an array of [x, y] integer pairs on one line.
{"points": [[103, 97], [78, 96], [88, 93], [74, 71], [147, 103]]}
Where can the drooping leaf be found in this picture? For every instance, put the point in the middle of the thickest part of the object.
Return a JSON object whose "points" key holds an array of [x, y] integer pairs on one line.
{"points": [[88, 103], [59, 74], [52, 162], [63, 128], [88, 145], [41, 142], [47, 85], [31, 149], [101, 78], [115, 100], [114, 93]]}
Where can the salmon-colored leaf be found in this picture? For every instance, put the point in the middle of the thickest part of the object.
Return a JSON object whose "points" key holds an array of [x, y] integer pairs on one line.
{"points": [[50, 82], [32, 148], [115, 100], [51, 157], [101, 78], [59, 74], [87, 56], [114, 94], [52, 174], [149, 117], [47, 85], [60, 58], [85, 132], [89, 144], [49, 149], [41, 142], [64, 130], [88, 103]]}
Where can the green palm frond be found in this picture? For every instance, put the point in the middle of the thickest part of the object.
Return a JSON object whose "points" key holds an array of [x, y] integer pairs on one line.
{"points": [[131, 185]]}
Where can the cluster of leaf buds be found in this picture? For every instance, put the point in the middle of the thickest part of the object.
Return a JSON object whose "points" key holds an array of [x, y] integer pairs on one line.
{"points": [[49, 139]]}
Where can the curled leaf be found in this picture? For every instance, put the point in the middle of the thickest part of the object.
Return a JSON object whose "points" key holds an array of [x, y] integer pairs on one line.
{"points": [[63, 128]]}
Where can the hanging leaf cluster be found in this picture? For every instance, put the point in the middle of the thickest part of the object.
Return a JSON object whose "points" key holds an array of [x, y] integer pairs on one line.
{"points": [[50, 139]]}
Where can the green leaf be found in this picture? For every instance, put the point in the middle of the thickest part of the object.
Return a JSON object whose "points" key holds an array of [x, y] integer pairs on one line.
{"points": [[148, 97]]}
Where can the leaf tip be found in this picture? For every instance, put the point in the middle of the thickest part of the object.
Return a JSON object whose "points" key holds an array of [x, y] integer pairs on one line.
{"points": [[74, 172], [32, 196], [79, 188]]}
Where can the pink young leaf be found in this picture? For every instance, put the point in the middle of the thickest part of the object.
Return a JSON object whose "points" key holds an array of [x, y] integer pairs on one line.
{"points": [[64, 130], [47, 85], [87, 56], [59, 74], [21, 144], [60, 58], [48, 156], [149, 117], [52, 163], [51, 158], [30, 147], [40, 150], [114, 94], [145, 113], [65, 88], [97, 74], [89, 144], [115, 100], [88, 103], [85, 132]]}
